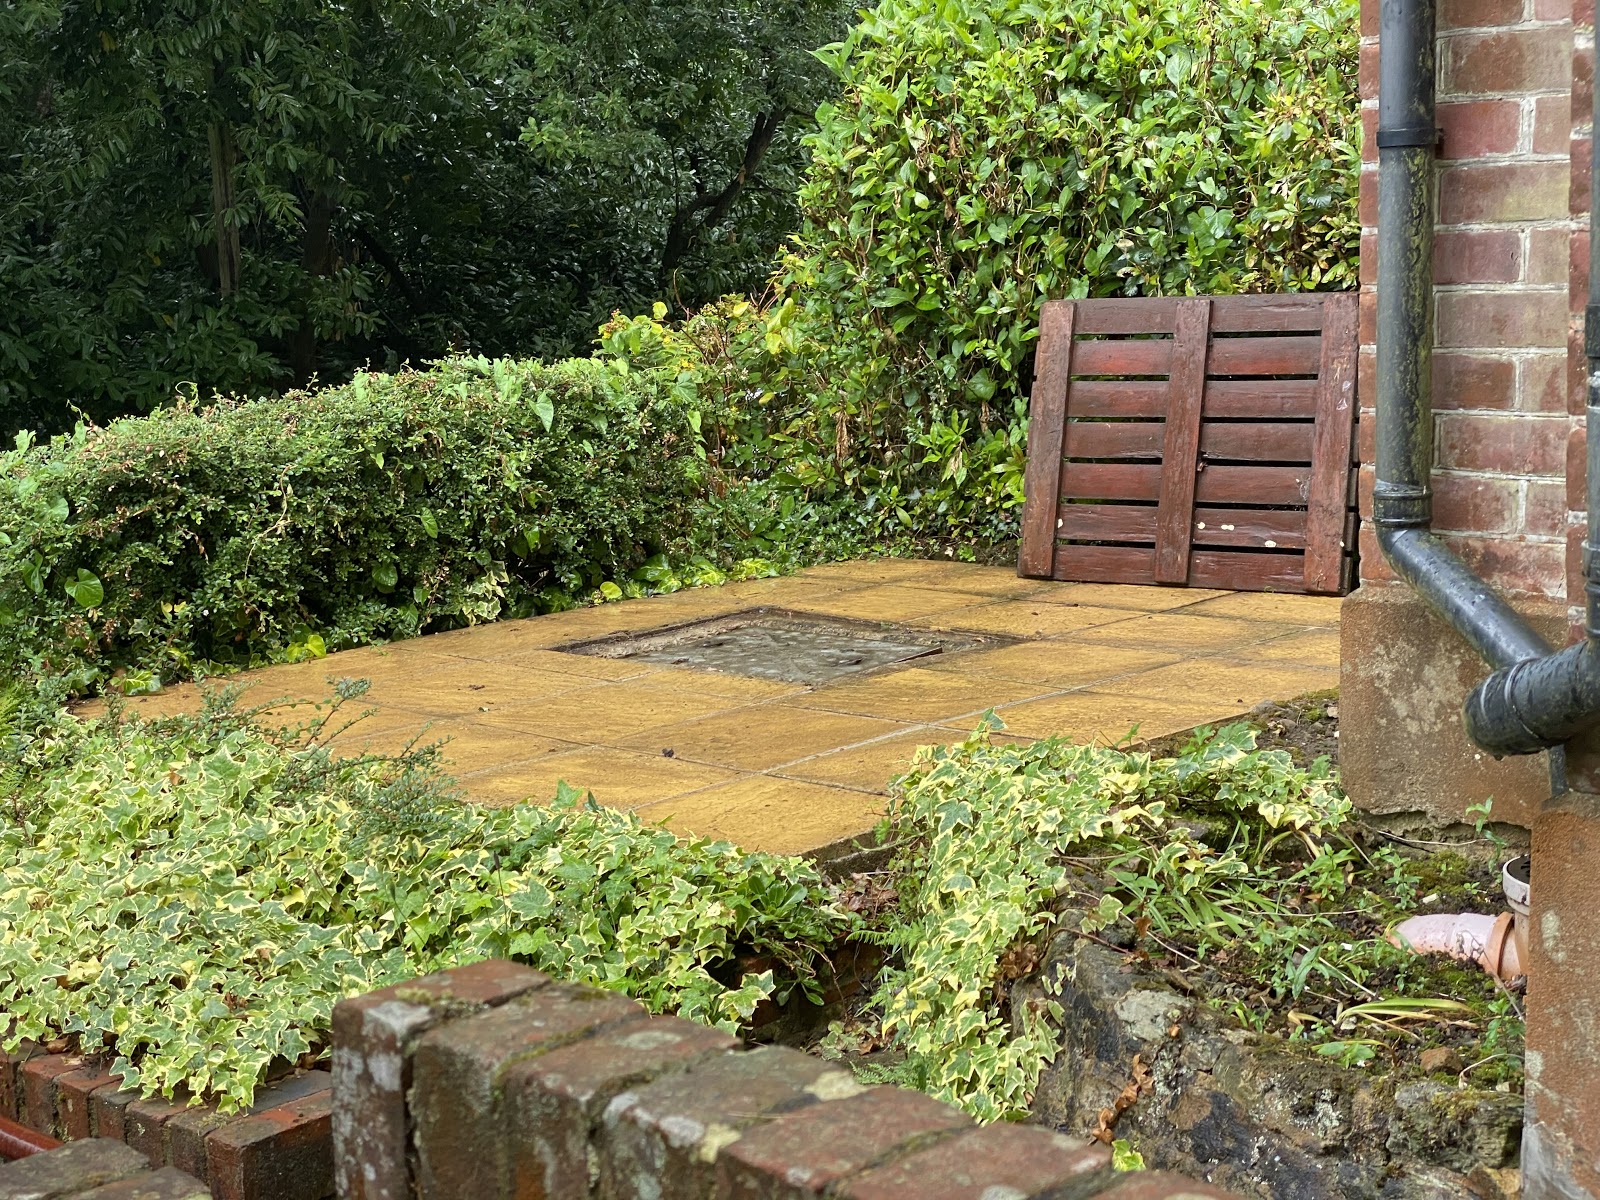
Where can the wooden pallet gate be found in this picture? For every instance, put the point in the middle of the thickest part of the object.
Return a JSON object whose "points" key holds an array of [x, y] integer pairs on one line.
{"points": [[1204, 441]]}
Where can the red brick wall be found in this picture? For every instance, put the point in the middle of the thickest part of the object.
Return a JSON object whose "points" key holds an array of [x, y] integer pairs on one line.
{"points": [[1501, 276], [493, 1082]]}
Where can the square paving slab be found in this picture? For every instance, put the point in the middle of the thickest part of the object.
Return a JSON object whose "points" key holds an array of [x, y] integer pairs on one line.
{"points": [[782, 740]]}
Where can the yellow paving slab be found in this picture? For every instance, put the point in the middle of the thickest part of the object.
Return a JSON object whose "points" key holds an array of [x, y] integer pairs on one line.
{"points": [[871, 765], [1244, 685], [888, 602], [781, 766], [604, 713], [782, 815], [1107, 717], [1025, 618], [754, 740], [1177, 631], [1139, 597], [1060, 664], [617, 778], [918, 695]]}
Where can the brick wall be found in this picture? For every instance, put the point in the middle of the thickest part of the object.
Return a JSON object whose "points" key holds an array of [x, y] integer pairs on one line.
{"points": [[1501, 272], [493, 1082]]}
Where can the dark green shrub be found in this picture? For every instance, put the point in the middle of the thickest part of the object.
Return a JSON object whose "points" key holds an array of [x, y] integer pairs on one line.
{"points": [[987, 155], [426, 499]]}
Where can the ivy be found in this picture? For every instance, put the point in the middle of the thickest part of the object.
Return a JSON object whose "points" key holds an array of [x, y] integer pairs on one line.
{"points": [[197, 894]]}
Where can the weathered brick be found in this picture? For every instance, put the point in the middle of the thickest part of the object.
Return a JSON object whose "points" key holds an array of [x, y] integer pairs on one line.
{"points": [[1578, 182], [10, 1082], [1367, 198], [1545, 513], [1506, 61], [1473, 381], [1474, 128], [1502, 320], [1477, 256], [1543, 385], [456, 1071], [671, 1131], [1524, 444], [1475, 192], [37, 1080], [108, 1110], [1367, 70], [144, 1123], [799, 1154], [69, 1171], [1580, 102], [73, 1090], [555, 1100], [1156, 1185], [1476, 503], [1518, 566], [282, 1153], [187, 1131], [1576, 494], [999, 1160], [371, 1070], [1477, 14], [1576, 263], [1552, 124], [165, 1184]]}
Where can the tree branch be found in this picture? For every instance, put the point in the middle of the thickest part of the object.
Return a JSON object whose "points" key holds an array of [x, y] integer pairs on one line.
{"points": [[686, 230]]}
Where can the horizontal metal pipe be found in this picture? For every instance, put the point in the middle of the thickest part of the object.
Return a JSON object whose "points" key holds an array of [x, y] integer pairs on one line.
{"points": [[1495, 630], [1535, 705]]}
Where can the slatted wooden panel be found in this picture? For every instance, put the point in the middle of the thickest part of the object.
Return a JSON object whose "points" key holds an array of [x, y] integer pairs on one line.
{"points": [[1204, 441]]}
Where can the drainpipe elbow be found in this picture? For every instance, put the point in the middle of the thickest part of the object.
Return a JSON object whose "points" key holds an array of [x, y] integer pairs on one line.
{"points": [[1537, 705]]}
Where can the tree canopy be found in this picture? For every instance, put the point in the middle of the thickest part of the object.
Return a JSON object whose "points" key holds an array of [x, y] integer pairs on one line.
{"points": [[206, 195]]}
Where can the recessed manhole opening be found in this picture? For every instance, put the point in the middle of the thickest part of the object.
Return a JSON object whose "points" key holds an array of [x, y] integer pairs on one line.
{"points": [[771, 643]]}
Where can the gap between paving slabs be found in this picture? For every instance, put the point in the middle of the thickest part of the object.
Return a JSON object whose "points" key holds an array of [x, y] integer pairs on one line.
{"points": [[776, 765]]}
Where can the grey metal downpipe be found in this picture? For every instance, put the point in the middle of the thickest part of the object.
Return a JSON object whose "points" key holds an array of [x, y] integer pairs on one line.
{"points": [[1535, 699]]}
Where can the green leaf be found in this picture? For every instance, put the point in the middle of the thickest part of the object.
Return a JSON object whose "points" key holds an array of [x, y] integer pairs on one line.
{"points": [[385, 576], [544, 408], [86, 589]]}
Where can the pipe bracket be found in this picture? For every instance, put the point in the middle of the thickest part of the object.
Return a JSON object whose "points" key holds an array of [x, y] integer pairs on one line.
{"points": [[1408, 137]]}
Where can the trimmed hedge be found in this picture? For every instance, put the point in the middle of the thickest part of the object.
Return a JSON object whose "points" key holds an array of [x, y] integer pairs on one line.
{"points": [[397, 503]]}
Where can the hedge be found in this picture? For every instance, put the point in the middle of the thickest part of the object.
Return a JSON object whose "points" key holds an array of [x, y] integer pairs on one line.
{"points": [[397, 503]]}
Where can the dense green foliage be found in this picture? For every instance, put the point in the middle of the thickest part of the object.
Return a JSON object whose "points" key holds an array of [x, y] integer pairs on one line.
{"points": [[985, 156], [395, 503], [1224, 851], [123, 924], [209, 196]]}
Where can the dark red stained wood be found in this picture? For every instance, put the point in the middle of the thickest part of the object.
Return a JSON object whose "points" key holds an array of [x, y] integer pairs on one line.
{"points": [[1250, 528], [1236, 314], [1108, 523], [1124, 398], [1328, 502], [1252, 441], [1216, 485], [1262, 399], [1115, 439], [1047, 410], [1181, 448], [1111, 481], [1127, 356], [1236, 570], [1266, 356]]}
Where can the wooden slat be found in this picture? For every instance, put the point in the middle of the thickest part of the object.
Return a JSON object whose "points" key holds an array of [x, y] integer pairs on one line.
{"points": [[1215, 485], [1128, 356], [1230, 314], [1105, 564], [1232, 570], [1047, 411], [1108, 523], [1239, 570], [1180, 452], [1327, 502], [1114, 439], [1257, 441], [1252, 485], [1250, 528], [1266, 356], [1125, 398], [1261, 399], [1244, 528]]}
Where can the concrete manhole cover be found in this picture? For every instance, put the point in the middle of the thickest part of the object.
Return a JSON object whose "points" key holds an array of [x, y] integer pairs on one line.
{"points": [[770, 643]]}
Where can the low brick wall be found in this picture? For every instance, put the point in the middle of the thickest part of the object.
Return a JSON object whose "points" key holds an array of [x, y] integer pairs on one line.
{"points": [[280, 1149], [493, 1082], [95, 1169]]}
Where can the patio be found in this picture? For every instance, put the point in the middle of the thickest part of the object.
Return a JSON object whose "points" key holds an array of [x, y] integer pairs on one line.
{"points": [[786, 767]]}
